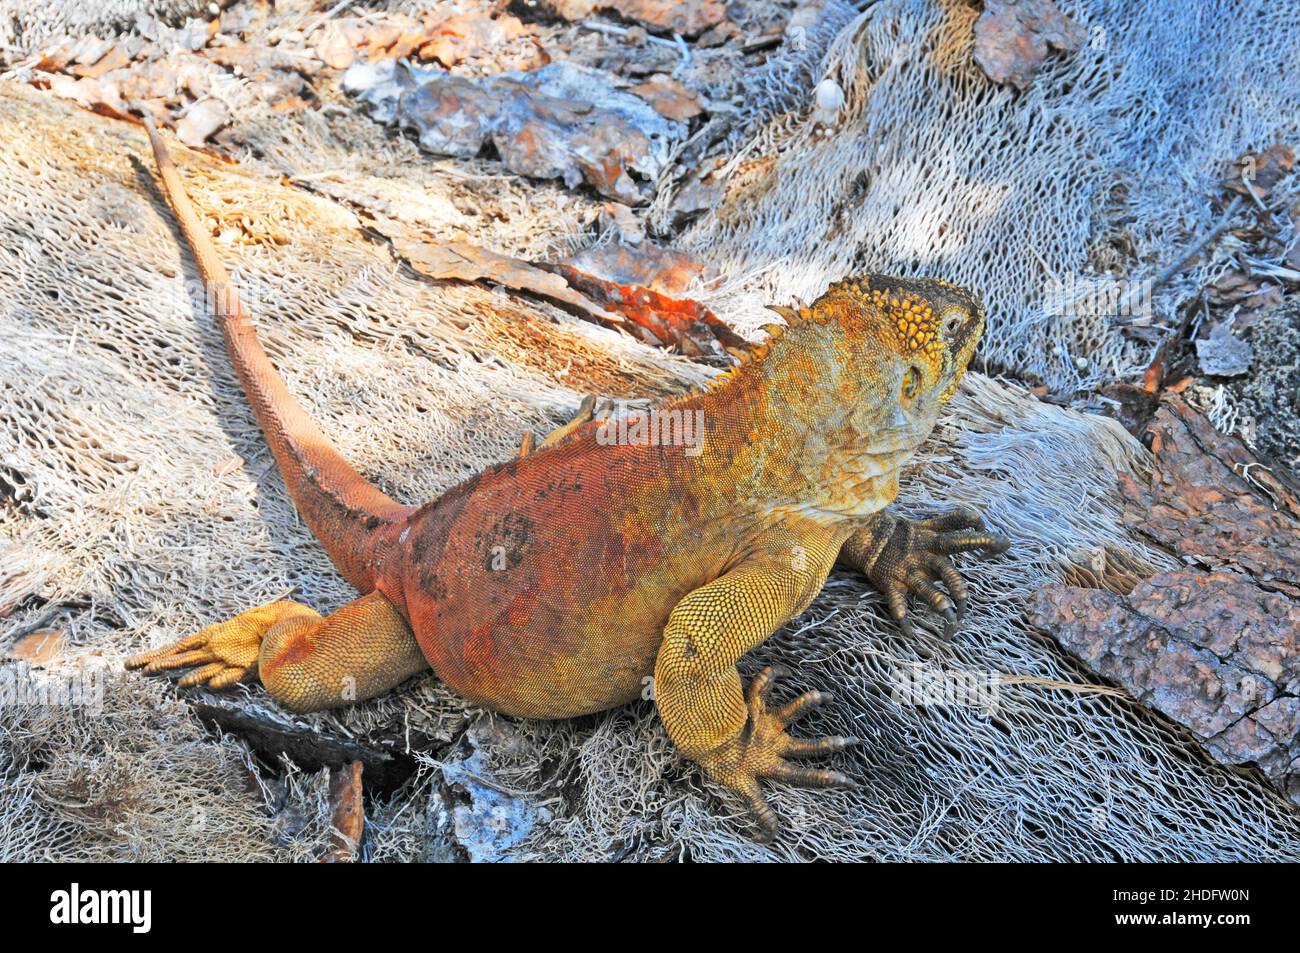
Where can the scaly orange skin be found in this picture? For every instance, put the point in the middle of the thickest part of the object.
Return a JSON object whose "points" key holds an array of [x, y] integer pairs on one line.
{"points": [[597, 543], [556, 584]]}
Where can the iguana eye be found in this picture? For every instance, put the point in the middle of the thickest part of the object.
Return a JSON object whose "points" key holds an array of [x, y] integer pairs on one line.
{"points": [[951, 320], [911, 382]]}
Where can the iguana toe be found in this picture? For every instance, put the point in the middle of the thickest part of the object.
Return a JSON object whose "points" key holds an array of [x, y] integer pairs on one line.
{"points": [[765, 750], [916, 559], [222, 654]]}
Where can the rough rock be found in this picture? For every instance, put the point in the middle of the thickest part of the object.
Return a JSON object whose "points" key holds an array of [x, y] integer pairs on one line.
{"points": [[1222, 354], [1012, 38], [1212, 651], [561, 121], [1271, 393], [1212, 502], [490, 820]]}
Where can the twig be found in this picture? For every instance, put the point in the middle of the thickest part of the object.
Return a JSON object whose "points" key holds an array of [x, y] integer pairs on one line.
{"points": [[1190, 252], [1195, 248], [622, 31], [337, 8], [1250, 190], [685, 52], [763, 43]]}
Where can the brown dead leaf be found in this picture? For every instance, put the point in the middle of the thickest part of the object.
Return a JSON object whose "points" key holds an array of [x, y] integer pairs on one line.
{"points": [[1262, 171], [114, 58], [462, 261], [689, 18], [720, 35], [89, 50], [698, 194], [620, 218], [202, 120], [406, 44], [434, 37], [669, 98], [335, 47], [38, 647], [383, 34], [458, 37], [56, 57], [256, 61], [1012, 38]]}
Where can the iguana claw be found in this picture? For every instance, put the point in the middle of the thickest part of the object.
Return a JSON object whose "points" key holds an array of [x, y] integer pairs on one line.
{"points": [[915, 557], [765, 750]]}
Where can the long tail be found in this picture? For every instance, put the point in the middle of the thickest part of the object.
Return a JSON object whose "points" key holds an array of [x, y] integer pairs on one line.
{"points": [[345, 513]]}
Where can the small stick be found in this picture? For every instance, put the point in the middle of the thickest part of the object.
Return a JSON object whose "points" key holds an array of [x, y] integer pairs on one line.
{"points": [[622, 31], [337, 8], [1190, 252]]}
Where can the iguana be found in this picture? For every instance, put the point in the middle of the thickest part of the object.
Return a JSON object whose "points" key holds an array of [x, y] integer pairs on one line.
{"points": [[556, 584]]}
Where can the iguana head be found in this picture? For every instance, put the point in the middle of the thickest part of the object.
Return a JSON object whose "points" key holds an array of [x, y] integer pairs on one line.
{"points": [[916, 333], [855, 383]]}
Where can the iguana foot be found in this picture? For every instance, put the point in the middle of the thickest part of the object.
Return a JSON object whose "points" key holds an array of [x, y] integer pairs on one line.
{"points": [[914, 556], [762, 750], [224, 653], [306, 661]]}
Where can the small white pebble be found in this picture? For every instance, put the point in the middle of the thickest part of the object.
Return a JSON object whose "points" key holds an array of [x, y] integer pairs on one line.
{"points": [[828, 100]]}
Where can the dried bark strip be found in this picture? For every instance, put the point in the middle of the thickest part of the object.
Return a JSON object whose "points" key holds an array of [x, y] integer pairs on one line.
{"points": [[1218, 651], [1212, 502], [681, 323], [347, 813], [1212, 651]]}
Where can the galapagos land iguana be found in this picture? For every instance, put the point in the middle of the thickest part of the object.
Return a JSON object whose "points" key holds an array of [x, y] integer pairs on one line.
{"points": [[553, 585]]}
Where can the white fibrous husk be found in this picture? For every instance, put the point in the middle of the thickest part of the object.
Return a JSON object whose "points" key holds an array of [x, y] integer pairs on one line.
{"points": [[144, 504]]}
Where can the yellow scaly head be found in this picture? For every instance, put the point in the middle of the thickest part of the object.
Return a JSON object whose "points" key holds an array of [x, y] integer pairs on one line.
{"points": [[835, 402], [857, 380], [928, 326], [883, 340]]}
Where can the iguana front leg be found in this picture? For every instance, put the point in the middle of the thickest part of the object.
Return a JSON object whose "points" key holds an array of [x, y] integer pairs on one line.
{"points": [[698, 690], [902, 556]]}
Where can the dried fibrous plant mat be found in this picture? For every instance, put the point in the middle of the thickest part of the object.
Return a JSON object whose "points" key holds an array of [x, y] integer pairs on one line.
{"points": [[150, 507], [138, 502]]}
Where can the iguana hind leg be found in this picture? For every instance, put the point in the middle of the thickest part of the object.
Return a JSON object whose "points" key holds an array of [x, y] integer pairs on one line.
{"points": [[902, 557], [306, 661], [739, 738], [586, 412]]}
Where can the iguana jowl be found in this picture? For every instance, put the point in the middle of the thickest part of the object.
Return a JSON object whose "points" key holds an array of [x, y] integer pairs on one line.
{"points": [[551, 586]]}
